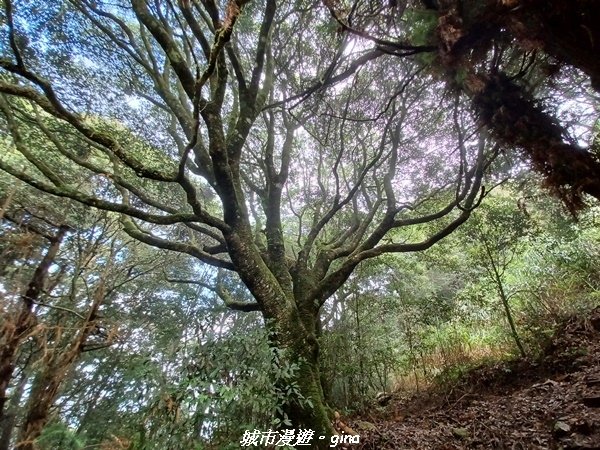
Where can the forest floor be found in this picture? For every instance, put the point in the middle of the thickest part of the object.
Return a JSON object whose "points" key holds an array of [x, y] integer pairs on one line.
{"points": [[552, 403]]}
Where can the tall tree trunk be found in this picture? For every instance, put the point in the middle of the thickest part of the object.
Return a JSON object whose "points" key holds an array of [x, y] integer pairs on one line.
{"points": [[510, 319], [301, 348], [292, 321], [48, 382], [496, 275], [13, 332], [326, 384]]}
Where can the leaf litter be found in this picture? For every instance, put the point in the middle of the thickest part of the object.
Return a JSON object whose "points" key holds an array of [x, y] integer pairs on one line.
{"points": [[550, 403]]}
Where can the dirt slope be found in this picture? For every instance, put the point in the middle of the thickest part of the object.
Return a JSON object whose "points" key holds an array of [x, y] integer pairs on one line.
{"points": [[550, 404]]}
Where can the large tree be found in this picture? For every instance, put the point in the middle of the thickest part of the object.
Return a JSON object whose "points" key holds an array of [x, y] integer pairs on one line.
{"points": [[254, 136]]}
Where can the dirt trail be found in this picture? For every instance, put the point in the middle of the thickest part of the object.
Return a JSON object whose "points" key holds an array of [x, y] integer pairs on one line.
{"points": [[551, 404]]}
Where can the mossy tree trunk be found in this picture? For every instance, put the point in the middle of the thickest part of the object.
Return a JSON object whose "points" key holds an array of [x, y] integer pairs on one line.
{"points": [[474, 38], [301, 348]]}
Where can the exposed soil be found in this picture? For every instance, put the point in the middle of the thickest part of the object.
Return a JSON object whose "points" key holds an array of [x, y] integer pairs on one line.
{"points": [[553, 403]]}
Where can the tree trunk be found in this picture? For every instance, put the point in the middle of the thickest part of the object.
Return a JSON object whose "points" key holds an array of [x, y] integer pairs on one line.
{"points": [[291, 319], [9, 420], [301, 348], [326, 384], [496, 275], [13, 332], [567, 30], [511, 321], [48, 382]]}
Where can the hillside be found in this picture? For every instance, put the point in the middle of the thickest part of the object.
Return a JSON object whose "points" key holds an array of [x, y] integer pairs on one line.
{"points": [[552, 403]]}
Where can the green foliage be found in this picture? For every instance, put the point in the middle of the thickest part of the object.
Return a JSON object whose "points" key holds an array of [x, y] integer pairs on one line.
{"points": [[423, 25], [57, 436], [220, 386], [434, 315]]}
